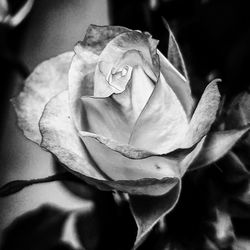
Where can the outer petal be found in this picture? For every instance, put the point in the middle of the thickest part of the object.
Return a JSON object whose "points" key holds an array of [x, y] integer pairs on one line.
{"points": [[118, 167], [103, 149], [81, 74], [97, 37], [48, 79], [60, 138], [135, 153], [178, 83], [217, 145], [147, 211], [204, 115], [162, 123], [187, 161]]}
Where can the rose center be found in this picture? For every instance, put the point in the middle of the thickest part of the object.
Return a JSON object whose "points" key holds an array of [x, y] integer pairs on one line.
{"points": [[118, 78]]}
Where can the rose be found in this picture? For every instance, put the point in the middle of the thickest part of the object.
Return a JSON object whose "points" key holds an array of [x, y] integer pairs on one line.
{"points": [[120, 115]]}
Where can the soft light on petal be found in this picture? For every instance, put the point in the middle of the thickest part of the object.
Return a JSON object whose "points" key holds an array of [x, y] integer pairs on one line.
{"points": [[114, 117], [103, 116], [119, 167], [81, 74], [178, 83], [60, 136], [162, 123], [97, 37], [134, 98], [48, 79], [204, 115]]}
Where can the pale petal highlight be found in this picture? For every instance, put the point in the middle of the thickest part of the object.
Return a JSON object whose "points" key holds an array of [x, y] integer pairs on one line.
{"points": [[48, 79]]}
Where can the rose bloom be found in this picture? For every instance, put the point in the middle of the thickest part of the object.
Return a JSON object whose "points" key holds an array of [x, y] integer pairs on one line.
{"points": [[120, 115]]}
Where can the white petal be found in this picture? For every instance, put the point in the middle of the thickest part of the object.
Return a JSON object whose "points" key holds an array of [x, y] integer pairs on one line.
{"points": [[204, 115], [178, 83], [48, 79], [114, 117], [162, 123], [80, 77], [119, 167]]}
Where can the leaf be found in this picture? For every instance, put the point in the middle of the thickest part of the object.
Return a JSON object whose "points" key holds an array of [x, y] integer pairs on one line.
{"points": [[238, 113], [217, 145], [147, 211], [48, 79]]}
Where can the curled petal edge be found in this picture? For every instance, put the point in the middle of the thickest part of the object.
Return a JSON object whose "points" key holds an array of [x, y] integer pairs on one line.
{"points": [[135, 153], [47, 80], [148, 211]]}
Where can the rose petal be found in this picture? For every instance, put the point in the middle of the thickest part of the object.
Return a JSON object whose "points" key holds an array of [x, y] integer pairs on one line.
{"points": [[147, 211], [217, 145], [178, 83], [187, 161], [81, 74], [83, 65], [61, 139], [58, 132], [136, 153], [97, 37], [119, 167], [48, 79], [133, 100], [114, 117], [204, 115], [162, 123], [105, 72], [111, 58], [103, 149]]}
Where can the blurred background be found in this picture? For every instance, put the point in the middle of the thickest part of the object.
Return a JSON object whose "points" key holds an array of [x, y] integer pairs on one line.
{"points": [[214, 36]]}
